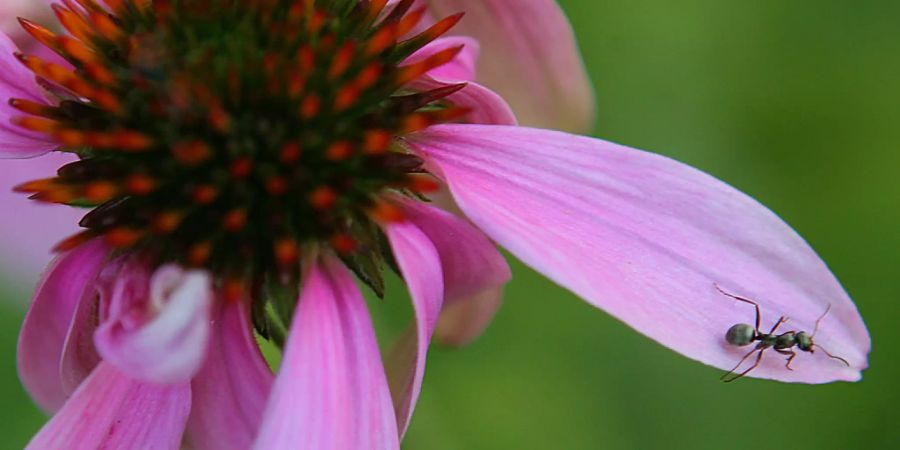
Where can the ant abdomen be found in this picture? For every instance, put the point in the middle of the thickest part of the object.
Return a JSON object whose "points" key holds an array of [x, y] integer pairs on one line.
{"points": [[740, 335]]}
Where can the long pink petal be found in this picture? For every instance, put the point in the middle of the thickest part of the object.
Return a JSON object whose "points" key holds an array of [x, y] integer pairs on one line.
{"points": [[36, 227], [111, 411], [68, 282], [421, 268], [16, 81], [231, 390], [170, 347], [645, 238], [331, 391], [529, 56]]}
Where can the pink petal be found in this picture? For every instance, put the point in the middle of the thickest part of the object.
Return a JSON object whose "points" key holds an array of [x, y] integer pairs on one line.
{"points": [[645, 238], [465, 319], [529, 57], [79, 356], [36, 227], [230, 391], [421, 268], [67, 283], [331, 391], [461, 68], [112, 411], [162, 338], [16, 81]]}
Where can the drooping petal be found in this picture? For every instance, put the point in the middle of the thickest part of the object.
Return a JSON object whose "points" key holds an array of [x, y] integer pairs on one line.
{"points": [[36, 227], [331, 391], [421, 268], [67, 283], [646, 238], [16, 81], [110, 410], [529, 57], [231, 390], [465, 319], [162, 338]]}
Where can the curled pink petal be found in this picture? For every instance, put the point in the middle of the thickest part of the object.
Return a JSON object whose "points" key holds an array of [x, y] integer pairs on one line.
{"points": [[331, 391], [529, 57], [231, 390], [16, 81], [67, 283], [111, 411], [160, 335], [421, 268], [645, 238]]}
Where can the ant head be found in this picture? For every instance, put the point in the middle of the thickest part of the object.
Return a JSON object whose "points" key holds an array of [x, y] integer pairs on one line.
{"points": [[804, 342], [740, 335]]}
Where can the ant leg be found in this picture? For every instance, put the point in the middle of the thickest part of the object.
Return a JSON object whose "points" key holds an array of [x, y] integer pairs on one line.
{"points": [[832, 356], [781, 320], [743, 299], [792, 354], [816, 329], [755, 364]]}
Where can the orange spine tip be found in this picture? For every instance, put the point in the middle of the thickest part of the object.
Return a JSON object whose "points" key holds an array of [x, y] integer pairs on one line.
{"points": [[343, 243], [276, 186], [290, 153], [286, 252], [241, 167], [132, 141], [233, 290], [339, 151], [43, 35], [423, 184], [76, 49], [310, 107], [439, 29], [101, 191], [235, 220], [381, 40], [105, 25], [123, 237], [205, 194], [412, 71], [346, 97], [387, 212], [30, 107], [377, 141], [199, 253], [342, 60], [167, 222], [74, 241], [409, 21], [72, 22], [36, 185], [323, 198], [38, 124], [140, 184], [99, 74], [191, 153]]}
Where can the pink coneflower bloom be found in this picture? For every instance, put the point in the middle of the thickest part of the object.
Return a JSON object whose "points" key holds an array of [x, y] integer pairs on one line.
{"points": [[242, 161]]}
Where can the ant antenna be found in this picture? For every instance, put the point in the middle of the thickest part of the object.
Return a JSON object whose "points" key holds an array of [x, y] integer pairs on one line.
{"points": [[832, 356], [816, 329]]}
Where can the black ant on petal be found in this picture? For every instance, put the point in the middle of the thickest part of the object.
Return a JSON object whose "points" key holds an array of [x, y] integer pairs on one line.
{"points": [[742, 334]]}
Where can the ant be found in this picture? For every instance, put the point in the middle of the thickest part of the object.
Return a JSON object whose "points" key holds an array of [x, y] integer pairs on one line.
{"points": [[742, 334]]}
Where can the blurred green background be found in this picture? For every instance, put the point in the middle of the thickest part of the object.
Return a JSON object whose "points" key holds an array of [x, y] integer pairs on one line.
{"points": [[796, 102]]}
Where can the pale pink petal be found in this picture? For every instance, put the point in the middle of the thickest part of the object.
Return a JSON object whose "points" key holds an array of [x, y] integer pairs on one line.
{"points": [[160, 336], [465, 319], [421, 268], [80, 357], [27, 236], [461, 68], [645, 238], [529, 57], [111, 411], [68, 282], [16, 81], [231, 390], [331, 391]]}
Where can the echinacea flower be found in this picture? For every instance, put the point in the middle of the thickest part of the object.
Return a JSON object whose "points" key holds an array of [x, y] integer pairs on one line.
{"points": [[241, 160]]}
